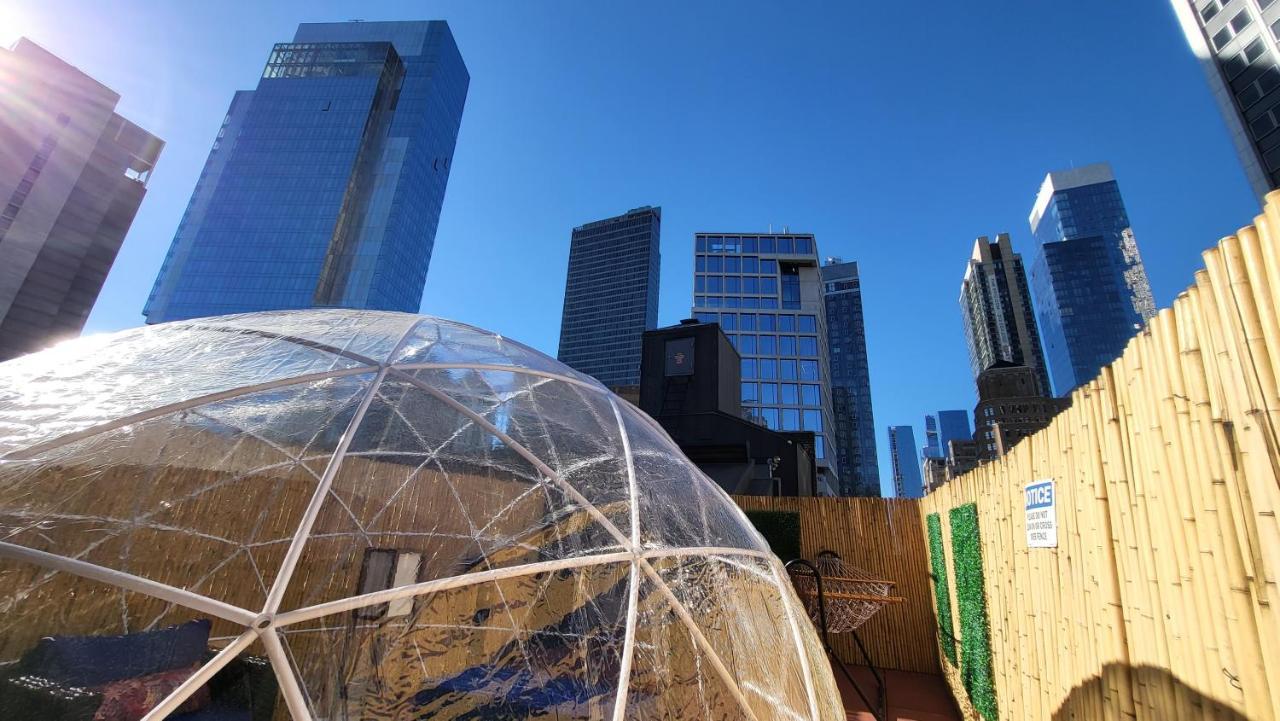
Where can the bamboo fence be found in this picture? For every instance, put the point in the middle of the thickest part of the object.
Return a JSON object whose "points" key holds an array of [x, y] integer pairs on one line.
{"points": [[1160, 599], [879, 536]]}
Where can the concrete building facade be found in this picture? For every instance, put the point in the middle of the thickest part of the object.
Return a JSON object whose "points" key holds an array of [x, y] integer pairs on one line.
{"points": [[73, 173]]}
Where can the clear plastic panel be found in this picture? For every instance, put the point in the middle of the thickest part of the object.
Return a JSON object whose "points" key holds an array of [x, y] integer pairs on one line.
{"points": [[195, 499], [671, 676], [101, 379], [545, 645], [739, 608], [372, 335], [449, 343], [678, 505], [571, 429], [423, 481]]}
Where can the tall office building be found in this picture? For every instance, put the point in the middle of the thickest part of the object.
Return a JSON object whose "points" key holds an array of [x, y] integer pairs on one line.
{"points": [[765, 291], [854, 432], [1090, 288], [943, 427], [1235, 42], [940, 429], [324, 185], [906, 471], [611, 295], [72, 175], [999, 321]]}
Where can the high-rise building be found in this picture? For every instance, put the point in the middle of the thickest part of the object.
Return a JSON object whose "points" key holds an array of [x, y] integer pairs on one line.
{"points": [[1011, 406], [611, 295], [999, 320], [765, 291], [906, 471], [939, 430], [72, 175], [854, 432], [1235, 43], [325, 184], [943, 427], [1090, 288]]}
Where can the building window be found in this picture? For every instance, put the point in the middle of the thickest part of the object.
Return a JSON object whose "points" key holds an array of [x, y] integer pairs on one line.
{"points": [[768, 393], [1255, 49], [1241, 21], [1263, 125], [768, 369], [1221, 38], [809, 370], [1235, 65], [809, 394]]}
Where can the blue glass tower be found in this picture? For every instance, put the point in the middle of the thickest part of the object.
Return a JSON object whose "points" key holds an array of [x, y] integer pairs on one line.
{"points": [[611, 295], [942, 428], [325, 184], [854, 433], [906, 470], [1091, 290]]}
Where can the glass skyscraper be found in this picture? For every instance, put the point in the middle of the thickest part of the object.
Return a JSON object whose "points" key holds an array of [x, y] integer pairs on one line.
{"points": [[325, 184], [1091, 290], [942, 428], [611, 295], [906, 470], [72, 175], [854, 431], [765, 291], [995, 303]]}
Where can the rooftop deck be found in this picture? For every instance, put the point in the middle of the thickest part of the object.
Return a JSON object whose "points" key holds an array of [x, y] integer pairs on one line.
{"points": [[911, 696]]}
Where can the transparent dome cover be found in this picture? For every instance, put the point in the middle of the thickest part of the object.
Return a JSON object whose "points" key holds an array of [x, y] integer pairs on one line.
{"points": [[359, 515]]}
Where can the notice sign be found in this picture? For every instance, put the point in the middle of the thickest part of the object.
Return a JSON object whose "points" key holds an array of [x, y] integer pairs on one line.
{"points": [[1042, 515]]}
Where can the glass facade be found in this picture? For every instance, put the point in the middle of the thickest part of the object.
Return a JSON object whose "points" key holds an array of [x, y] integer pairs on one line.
{"points": [[942, 428], [1091, 290], [611, 295], [854, 430], [325, 184], [907, 482], [765, 291]]}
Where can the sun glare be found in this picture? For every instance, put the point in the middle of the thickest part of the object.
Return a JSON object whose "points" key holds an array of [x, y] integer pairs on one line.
{"points": [[13, 24]]}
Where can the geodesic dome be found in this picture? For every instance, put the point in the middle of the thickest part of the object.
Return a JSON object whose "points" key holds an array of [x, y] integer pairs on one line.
{"points": [[358, 515]]}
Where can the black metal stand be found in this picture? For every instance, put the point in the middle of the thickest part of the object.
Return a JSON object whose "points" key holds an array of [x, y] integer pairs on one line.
{"points": [[826, 643]]}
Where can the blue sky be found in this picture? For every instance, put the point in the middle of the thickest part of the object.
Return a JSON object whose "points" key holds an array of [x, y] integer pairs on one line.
{"points": [[896, 136]]}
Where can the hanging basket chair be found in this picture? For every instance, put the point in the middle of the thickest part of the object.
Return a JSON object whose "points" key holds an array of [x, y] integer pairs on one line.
{"points": [[851, 595]]}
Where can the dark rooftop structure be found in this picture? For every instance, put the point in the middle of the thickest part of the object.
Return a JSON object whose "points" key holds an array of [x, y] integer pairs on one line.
{"points": [[689, 382]]}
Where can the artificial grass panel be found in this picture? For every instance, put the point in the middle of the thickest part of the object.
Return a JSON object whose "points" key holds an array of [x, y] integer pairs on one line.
{"points": [[941, 592], [781, 529], [975, 639]]}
